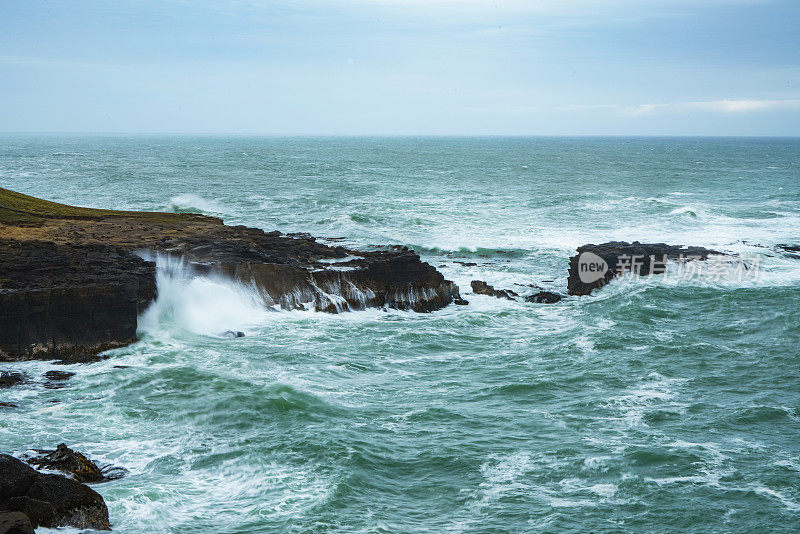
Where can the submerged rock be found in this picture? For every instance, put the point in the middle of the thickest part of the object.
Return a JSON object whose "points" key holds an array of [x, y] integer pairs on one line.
{"points": [[232, 333], [595, 265], [75, 464], [73, 281], [58, 375], [11, 378], [57, 379], [49, 500], [544, 297]]}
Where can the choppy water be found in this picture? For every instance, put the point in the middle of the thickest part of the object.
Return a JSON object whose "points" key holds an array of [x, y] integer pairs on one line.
{"points": [[659, 405]]}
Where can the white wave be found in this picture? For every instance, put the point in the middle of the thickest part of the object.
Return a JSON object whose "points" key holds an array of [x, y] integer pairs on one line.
{"points": [[189, 202], [201, 304]]}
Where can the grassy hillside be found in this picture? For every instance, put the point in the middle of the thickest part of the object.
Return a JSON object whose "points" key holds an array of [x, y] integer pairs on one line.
{"points": [[24, 210]]}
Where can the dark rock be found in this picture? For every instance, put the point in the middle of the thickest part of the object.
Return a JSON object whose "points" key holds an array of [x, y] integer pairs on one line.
{"points": [[466, 263], [595, 265], [57, 379], [232, 333], [82, 357], [15, 523], [7, 405], [69, 301], [480, 287], [11, 378], [49, 500], [460, 302], [58, 375], [791, 251], [544, 297], [69, 462], [39, 513]]}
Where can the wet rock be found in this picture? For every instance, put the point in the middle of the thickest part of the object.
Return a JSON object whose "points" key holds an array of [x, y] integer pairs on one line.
{"points": [[11, 378], [75, 464], [57, 379], [49, 500], [58, 375], [791, 251], [69, 302], [466, 263], [460, 302], [232, 333], [595, 265], [15, 523], [7, 405], [480, 287], [544, 297]]}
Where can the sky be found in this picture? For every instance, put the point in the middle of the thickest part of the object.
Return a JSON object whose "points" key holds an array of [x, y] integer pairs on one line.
{"points": [[401, 67]]}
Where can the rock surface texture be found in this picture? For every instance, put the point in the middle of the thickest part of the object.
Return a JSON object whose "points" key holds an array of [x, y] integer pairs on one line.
{"points": [[595, 265], [15, 523], [49, 500], [74, 280]]}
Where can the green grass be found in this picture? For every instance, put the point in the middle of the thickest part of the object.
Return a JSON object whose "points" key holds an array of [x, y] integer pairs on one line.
{"points": [[24, 210]]}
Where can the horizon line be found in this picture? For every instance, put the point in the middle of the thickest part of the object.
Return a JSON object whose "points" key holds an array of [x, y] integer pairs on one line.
{"points": [[391, 135]]}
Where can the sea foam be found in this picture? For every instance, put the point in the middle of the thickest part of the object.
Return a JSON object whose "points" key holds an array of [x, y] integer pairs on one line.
{"points": [[202, 304]]}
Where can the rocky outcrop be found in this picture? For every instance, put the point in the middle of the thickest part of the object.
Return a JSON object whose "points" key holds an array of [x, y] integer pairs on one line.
{"points": [[479, 287], [595, 265], [74, 280], [49, 500], [73, 464]]}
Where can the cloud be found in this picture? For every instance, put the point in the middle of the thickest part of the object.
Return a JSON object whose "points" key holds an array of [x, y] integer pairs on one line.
{"points": [[719, 106], [712, 106]]}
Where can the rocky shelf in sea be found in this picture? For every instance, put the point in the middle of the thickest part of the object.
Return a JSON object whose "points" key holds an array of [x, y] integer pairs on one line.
{"points": [[73, 280]]}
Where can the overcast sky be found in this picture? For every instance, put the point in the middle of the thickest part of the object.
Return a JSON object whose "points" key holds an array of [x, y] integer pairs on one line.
{"points": [[542, 67]]}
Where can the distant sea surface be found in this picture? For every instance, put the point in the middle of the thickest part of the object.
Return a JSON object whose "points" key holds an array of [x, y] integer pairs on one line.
{"points": [[655, 405]]}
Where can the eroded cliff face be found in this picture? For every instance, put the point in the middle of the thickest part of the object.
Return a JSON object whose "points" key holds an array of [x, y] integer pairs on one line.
{"points": [[69, 301], [74, 280]]}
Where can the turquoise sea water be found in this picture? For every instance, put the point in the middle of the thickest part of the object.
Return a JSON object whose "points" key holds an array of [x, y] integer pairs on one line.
{"points": [[658, 405]]}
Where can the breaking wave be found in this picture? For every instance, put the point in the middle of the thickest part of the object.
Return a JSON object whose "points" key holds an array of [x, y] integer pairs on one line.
{"points": [[191, 203], [208, 305]]}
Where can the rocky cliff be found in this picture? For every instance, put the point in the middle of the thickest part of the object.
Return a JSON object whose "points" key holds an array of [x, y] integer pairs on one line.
{"points": [[74, 280]]}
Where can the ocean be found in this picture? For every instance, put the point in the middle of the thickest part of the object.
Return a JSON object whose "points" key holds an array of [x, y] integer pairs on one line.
{"points": [[658, 404]]}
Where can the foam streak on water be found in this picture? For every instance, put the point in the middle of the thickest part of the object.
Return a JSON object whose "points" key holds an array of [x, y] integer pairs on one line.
{"points": [[658, 405]]}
